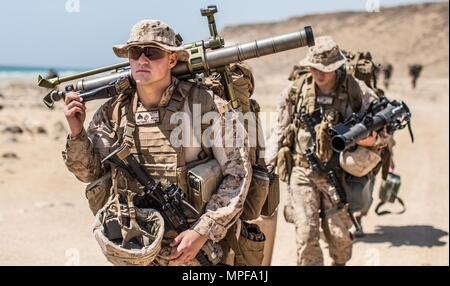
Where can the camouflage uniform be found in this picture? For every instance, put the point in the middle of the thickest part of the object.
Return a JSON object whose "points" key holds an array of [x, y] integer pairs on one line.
{"points": [[414, 72], [83, 155], [309, 204], [387, 73]]}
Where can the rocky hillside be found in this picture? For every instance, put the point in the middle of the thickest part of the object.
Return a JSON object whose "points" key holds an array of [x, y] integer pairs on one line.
{"points": [[401, 35]]}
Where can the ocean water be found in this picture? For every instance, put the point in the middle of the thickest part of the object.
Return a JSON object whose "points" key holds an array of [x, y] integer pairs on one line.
{"points": [[32, 72]]}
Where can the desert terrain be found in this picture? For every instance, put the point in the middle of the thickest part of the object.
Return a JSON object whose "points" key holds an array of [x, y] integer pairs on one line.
{"points": [[44, 215]]}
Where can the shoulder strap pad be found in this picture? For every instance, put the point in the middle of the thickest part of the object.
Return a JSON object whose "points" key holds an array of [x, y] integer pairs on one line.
{"points": [[354, 94]]}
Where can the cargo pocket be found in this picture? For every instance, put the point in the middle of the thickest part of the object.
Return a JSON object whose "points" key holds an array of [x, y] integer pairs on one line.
{"points": [[98, 192], [359, 192], [251, 245], [257, 193], [284, 163], [273, 197]]}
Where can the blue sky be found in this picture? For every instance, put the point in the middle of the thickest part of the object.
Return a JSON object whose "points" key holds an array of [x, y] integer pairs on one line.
{"points": [[61, 33]]}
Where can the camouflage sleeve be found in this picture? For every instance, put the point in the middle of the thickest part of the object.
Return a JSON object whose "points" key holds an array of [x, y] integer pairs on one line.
{"points": [[83, 154], [276, 134], [230, 149]]}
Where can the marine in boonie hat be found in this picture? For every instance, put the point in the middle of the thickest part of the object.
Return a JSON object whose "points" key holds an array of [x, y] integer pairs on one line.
{"points": [[324, 56], [152, 33]]}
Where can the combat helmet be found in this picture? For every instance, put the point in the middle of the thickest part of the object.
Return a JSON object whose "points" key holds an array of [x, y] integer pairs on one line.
{"points": [[128, 235]]}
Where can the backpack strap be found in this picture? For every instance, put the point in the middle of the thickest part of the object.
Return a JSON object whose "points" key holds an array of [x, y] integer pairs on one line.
{"points": [[119, 109], [194, 97], [354, 93], [295, 91]]}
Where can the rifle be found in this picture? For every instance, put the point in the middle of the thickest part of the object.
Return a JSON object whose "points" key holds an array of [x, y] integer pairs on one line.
{"points": [[170, 202], [393, 115], [206, 57], [338, 193]]}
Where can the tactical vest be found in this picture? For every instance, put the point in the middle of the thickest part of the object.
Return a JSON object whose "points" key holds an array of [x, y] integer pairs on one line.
{"points": [[303, 97], [151, 146], [150, 143], [348, 95]]}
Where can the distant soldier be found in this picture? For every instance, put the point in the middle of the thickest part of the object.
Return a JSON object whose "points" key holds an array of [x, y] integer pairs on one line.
{"points": [[387, 70], [52, 73], [414, 72]]}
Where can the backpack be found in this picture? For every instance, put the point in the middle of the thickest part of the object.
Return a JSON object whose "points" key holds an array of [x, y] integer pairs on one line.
{"points": [[263, 195], [256, 201], [362, 66]]}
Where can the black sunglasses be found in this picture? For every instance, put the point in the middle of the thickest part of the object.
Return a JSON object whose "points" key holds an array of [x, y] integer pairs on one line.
{"points": [[150, 53]]}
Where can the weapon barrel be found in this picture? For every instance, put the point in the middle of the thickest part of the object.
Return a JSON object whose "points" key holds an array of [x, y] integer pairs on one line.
{"points": [[53, 82], [241, 52], [361, 130], [88, 84], [341, 142], [254, 49], [214, 58], [92, 72]]}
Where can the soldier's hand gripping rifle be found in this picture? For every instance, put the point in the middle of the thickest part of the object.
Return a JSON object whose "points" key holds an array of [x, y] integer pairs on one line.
{"points": [[337, 193], [392, 115], [206, 57], [170, 201]]}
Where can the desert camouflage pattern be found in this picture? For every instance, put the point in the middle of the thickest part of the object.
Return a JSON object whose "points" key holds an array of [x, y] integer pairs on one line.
{"points": [[118, 255], [153, 33], [83, 155], [307, 191], [324, 56], [285, 117], [360, 161]]}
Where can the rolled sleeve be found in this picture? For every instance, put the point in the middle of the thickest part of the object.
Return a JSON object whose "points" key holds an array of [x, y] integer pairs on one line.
{"points": [[226, 205], [83, 153]]}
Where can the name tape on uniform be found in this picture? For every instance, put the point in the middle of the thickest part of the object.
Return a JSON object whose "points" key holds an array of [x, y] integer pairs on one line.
{"points": [[147, 117]]}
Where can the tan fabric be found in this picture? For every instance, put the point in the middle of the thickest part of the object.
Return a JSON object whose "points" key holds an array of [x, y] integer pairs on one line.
{"points": [[257, 194], [360, 161], [307, 192], [281, 133], [243, 85], [152, 147], [250, 245], [98, 192], [83, 158], [152, 33], [324, 56], [119, 255]]}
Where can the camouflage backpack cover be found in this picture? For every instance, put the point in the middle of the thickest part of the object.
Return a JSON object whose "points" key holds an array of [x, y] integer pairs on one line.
{"points": [[362, 66], [263, 194]]}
